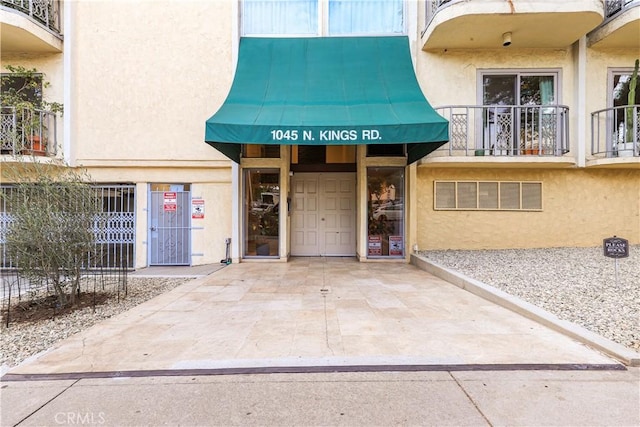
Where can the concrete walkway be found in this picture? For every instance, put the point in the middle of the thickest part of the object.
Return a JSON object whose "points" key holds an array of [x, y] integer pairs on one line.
{"points": [[312, 312], [520, 398], [320, 342]]}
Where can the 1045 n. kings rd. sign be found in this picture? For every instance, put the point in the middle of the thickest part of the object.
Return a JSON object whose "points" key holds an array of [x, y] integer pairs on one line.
{"points": [[325, 135]]}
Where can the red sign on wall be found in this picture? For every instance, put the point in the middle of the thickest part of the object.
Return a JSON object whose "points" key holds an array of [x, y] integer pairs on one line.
{"points": [[197, 208], [170, 201]]}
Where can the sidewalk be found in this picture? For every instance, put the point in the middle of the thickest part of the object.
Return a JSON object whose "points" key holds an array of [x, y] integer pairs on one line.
{"points": [[529, 398]]}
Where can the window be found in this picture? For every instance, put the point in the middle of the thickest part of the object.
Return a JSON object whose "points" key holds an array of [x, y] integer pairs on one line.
{"points": [[488, 195], [515, 120], [21, 88], [303, 17], [622, 120], [261, 212], [291, 17], [366, 17], [518, 89], [385, 210]]}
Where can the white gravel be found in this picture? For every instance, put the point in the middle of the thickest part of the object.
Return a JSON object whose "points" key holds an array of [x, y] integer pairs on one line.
{"points": [[23, 340], [576, 284]]}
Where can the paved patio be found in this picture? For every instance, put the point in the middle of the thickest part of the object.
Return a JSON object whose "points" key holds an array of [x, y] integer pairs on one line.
{"points": [[311, 312]]}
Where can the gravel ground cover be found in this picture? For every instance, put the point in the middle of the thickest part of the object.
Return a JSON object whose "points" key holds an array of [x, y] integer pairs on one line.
{"points": [[22, 340], [576, 284]]}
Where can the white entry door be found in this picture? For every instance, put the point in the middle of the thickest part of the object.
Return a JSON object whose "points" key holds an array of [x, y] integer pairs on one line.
{"points": [[323, 217]]}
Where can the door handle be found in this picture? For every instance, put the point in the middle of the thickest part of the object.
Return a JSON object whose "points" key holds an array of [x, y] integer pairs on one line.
{"points": [[153, 228]]}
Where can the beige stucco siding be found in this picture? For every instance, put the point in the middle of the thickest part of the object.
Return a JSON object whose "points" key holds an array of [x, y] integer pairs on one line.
{"points": [[580, 208], [147, 76], [599, 64], [450, 77]]}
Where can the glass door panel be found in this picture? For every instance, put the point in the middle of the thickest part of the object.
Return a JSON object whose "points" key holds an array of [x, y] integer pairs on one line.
{"points": [[261, 212], [499, 92], [385, 212]]}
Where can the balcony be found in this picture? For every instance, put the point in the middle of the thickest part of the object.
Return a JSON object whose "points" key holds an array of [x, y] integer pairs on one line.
{"points": [[621, 28], [505, 134], [615, 136], [27, 132], [480, 24], [30, 26]]}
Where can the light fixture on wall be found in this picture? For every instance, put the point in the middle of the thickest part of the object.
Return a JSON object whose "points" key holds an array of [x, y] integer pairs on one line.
{"points": [[506, 39]]}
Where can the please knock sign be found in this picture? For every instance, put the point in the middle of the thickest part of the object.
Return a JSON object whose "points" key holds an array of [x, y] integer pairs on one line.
{"points": [[616, 247]]}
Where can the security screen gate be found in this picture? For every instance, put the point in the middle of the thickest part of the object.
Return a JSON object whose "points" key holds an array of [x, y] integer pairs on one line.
{"points": [[170, 225], [115, 239]]}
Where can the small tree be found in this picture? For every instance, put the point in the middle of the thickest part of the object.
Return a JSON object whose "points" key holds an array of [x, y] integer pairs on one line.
{"points": [[54, 212]]}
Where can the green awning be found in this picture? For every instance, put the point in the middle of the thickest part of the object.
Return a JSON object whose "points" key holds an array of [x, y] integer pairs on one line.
{"points": [[326, 91]]}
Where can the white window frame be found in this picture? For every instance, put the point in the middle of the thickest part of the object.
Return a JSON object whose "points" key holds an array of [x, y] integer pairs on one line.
{"points": [[409, 18], [611, 73], [521, 72]]}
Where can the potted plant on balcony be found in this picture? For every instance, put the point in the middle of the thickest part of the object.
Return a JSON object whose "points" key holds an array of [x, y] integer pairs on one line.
{"points": [[629, 128], [21, 98]]}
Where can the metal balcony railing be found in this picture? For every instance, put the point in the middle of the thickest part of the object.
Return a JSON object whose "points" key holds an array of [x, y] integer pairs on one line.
{"points": [[28, 132], [44, 12], [615, 132], [613, 7], [506, 130], [432, 6]]}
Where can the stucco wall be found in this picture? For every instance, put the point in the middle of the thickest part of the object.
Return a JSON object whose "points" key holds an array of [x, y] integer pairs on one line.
{"points": [[580, 208], [599, 63], [146, 76]]}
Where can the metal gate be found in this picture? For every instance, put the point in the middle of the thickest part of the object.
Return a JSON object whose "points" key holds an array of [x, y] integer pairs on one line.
{"points": [[115, 239], [170, 227]]}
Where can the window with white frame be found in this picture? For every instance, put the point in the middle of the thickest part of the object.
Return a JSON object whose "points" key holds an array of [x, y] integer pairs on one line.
{"points": [[322, 17], [621, 118], [520, 113]]}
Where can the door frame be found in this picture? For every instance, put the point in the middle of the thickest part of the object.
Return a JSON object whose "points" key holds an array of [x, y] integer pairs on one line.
{"points": [[178, 188], [321, 242], [283, 163]]}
